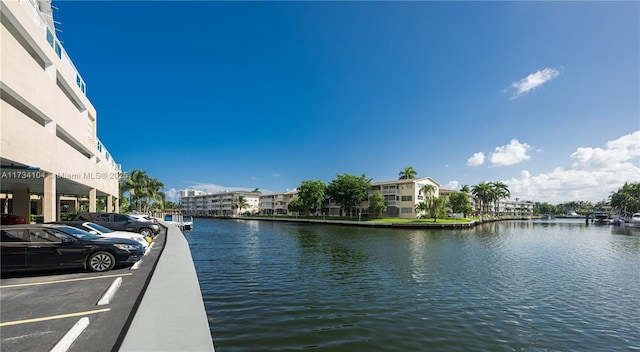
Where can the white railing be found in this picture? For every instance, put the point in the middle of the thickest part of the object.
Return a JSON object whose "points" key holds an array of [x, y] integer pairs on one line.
{"points": [[49, 34], [107, 156]]}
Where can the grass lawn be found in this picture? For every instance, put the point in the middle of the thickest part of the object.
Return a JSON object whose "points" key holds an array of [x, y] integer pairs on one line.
{"points": [[438, 221], [380, 220]]}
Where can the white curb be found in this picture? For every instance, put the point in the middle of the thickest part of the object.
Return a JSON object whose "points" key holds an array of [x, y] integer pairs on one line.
{"points": [[106, 298], [67, 340], [136, 265]]}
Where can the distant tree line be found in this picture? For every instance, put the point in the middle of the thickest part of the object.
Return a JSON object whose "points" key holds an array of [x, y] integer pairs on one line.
{"points": [[625, 201]]}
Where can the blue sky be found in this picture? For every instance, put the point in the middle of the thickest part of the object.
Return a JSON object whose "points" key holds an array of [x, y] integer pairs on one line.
{"points": [[544, 96]]}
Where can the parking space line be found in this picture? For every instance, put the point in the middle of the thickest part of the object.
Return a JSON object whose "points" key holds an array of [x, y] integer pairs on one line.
{"points": [[54, 317], [64, 281]]}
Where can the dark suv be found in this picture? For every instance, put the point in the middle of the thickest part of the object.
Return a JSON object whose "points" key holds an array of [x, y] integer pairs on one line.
{"points": [[120, 222]]}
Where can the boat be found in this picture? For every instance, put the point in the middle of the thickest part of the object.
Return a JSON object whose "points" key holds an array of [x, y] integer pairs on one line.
{"points": [[600, 218], [635, 220], [179, 220]]}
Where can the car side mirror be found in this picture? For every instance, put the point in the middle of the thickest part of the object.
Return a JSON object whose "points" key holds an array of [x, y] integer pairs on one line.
{"points": [[93, 232], [129, 221]]}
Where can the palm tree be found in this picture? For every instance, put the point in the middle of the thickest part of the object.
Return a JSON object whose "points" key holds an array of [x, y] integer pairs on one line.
{"points": [[500, 191], [144, 191], [154, 194], [483, 192], [137, 185], [240, 204], [465, 189], [408, 173], [429, 192], [430, 200], [422, 207]]}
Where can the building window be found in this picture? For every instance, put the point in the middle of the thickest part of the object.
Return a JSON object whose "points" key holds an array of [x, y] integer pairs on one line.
{"points": [[407, 198], [406, 210], [50, 37]]}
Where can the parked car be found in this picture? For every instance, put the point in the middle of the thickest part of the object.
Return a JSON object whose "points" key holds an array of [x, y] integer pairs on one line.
{"points": [[50, 246], [144, 218], [102, 231], [8, 219], [120, 222]]}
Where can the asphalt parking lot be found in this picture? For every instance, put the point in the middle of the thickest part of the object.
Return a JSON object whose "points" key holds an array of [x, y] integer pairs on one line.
{"points": [[37, 310]]}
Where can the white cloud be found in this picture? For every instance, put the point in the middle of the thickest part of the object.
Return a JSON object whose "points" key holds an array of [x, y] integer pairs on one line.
{"points": [[452, 185], [533, 81], [476, 159], [172, 194], [617, 152], [513, 153], [594, 174]]}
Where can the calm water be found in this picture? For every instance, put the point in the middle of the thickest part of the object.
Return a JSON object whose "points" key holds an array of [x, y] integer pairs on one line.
{"points": [[511, 286]]}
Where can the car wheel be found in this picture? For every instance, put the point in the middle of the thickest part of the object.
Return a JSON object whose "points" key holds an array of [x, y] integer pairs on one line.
{"points": [[146, 232], [101, 261]]}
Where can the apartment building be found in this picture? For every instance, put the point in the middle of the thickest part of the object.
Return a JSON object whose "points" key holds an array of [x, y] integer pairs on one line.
{"points": [[50, 147], [402, 196], [220, 204], [276, 203], [513, 207]]}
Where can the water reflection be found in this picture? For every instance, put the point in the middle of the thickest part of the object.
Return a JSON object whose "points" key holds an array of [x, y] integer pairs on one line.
{"points": [[522, 285]]}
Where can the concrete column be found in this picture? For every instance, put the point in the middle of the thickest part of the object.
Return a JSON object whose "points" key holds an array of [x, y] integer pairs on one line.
{"points": [[58, 207], [50, 198], [109, 203], [21, 203], [36, 205], [117, 205], [92, 200]]}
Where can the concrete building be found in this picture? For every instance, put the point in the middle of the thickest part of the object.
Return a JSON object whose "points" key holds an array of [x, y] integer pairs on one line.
{"points": [[276, 203], [49, 144], [402, 196], [514, 207], [220, 204], [190, 193]]}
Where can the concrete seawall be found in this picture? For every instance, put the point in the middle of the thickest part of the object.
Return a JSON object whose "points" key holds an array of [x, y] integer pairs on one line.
{"points": [[404, 225], [171, 316]]}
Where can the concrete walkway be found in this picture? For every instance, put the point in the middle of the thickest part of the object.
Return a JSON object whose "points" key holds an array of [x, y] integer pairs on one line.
{"points": [[171, 315]]}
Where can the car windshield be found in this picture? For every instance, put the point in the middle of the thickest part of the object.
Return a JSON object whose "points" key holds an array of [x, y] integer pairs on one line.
{"points": [[77, 233], [97, 227]]}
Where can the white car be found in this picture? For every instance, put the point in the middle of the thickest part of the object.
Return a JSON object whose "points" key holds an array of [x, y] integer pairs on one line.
{"points": [[144, 218], [102, 231], [635, 220]]}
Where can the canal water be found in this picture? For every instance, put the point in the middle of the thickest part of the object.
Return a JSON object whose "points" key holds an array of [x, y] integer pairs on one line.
{"points": [[555, 285]]}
